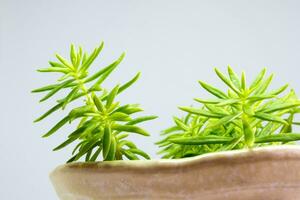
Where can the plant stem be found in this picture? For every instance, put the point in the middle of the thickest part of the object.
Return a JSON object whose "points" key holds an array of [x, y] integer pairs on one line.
{"points": [[83, 88], [248, 132]]}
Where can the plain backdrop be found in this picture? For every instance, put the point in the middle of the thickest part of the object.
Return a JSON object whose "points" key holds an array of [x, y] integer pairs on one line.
{"points": [[173, 43]]}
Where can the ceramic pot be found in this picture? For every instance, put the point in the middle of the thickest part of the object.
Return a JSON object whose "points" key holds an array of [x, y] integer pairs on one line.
{"points": [[262, 173]]}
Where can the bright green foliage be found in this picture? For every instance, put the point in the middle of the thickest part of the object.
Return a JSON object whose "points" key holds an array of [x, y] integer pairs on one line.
{"points": [[103, 124], [243, 117]]}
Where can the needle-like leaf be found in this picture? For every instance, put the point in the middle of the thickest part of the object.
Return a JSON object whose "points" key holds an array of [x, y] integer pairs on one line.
{"points": [[57, 126], [130, 155], [269, 117], [55, 90], [106, 141], [112, 150], [141, 119], [279, 106], [283, 137], [225, 120], [105, 71], [201, 140], [258, 80], [201, 112], [91, 58], [130, 128], [227, 81], [233, 77], [70, 96], [111, 96], [214, 91], [140, 152]]}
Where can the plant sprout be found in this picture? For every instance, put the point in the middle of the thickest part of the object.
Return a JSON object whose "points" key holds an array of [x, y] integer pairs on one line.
{"points": [[103, 124], [243, 117]]}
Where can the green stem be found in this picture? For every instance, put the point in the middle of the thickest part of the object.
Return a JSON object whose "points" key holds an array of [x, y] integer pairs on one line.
{"points": [[83, 88], [248, 132]]}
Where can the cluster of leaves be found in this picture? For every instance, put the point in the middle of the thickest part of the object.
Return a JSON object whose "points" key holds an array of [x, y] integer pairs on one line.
{"points": [[103, 124], [243, 117]]}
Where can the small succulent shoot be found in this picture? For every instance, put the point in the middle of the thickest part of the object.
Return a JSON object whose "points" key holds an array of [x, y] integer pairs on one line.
{"points": [[243, 117], [103, 124]]}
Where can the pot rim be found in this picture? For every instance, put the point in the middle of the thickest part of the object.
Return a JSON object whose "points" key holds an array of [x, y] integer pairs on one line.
{"points": [[154, 163]]}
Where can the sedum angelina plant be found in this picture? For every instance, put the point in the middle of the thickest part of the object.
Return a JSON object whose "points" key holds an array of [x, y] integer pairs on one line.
{"points": [[243, 117], [103, 123]]}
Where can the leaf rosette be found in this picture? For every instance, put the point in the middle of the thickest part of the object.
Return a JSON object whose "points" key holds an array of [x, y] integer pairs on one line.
{"points": [[243, 117], [104, 124]]}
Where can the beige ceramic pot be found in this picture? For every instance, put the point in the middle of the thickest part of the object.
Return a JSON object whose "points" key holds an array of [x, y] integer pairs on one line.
{"points": [[264, 173]]}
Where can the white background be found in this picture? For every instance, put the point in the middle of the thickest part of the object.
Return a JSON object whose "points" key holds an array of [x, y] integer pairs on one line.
{"points": [[173, 43]]}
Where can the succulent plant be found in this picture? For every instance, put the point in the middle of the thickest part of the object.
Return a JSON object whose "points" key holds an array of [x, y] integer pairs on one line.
{"points": [[243, 117], [103, 123]]}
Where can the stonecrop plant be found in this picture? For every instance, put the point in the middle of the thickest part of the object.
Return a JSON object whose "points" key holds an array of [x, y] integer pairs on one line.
{"points": [[103, 123], [243, 117]]}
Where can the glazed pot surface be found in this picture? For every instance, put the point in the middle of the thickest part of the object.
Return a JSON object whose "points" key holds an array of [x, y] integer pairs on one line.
{"points": [[262, 173]]}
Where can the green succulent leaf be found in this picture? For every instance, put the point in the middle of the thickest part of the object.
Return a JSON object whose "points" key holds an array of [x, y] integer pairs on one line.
{"points": [[89, 60], [227, 81], [141, 119], [57, 126], [129, 83], [228, 102], [256, 83], [98, 103], [112, 150], [140, 152], [127, 143], [59, 70], [70, 96], [180, 124], [234, 77], [225, 120], [96, 154], [253, 99], [279, 106], [129, 128], [279, 90], [283, 137], [122, 136], [81, 111], [130, 155], [65, 143], [49, 112], [111, 96], [119, 116], [64, 61], [201, 112], [106, 141], [129, 109], [214, 91], [243, 81], [55, 90], [269, 117], [102, 74], [86, 148], [264, 86], [208, 101], [201, 140], [171, 130]]}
